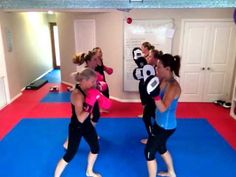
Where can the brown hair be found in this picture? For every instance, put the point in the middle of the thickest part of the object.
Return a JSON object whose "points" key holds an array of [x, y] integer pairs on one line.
{"points": [[148, 45], [171, 61], [157, 53], [79, 59]]}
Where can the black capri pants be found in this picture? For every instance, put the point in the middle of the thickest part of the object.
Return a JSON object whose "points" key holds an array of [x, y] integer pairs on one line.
{"points": [[96, 112], [149, 115], [157, 142], [85, 130]]}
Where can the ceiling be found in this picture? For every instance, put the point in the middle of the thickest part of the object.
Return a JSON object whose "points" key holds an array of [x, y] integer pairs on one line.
{"points": [[113, 4]]}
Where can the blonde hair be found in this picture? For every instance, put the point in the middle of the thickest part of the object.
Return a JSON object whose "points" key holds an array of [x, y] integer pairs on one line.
{"points": [[78, 58], [85, 75]]}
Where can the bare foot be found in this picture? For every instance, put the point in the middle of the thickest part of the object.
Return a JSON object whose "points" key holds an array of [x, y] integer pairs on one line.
{"points": [[144, 141], [167, 174], [140, 115], [92, 174]]}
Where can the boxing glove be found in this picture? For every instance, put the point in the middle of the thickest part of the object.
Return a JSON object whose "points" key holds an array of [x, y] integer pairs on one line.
{"points": [[108, 70], [101, 86], [138, 57], [99, 77], [148, 70], [104, 102], [138, 73], [92, 96], [137, 52], [140, 62], [153, 87]]}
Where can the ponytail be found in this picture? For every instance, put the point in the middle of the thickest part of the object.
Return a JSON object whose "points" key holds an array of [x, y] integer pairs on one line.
{"points": [[78, 59], [171, 61], [157, 53], [176, 65]]}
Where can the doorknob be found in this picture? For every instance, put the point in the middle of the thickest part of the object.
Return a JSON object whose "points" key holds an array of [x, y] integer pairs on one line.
{"points": [[203, 68], [208, 68]]}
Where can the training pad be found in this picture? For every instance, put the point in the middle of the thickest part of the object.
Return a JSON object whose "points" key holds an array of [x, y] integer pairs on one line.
{"points": [[36, 85]]}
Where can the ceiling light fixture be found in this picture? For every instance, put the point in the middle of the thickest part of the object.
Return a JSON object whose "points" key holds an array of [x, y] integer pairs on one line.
{"points": [[135, 0]]}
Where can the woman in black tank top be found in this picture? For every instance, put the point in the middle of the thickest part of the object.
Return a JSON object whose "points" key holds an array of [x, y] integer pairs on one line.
{"points": [[80, 125]]}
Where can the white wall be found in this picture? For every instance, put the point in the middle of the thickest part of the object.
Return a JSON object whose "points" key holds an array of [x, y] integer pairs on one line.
{"points": [[31, 50], [109, 34]]}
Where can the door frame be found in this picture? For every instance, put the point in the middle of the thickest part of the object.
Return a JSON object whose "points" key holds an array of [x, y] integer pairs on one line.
{"points": [[54, 63]]}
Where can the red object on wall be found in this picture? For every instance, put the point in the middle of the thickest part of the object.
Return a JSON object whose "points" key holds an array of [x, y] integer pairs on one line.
{"points": [[129, 20]]}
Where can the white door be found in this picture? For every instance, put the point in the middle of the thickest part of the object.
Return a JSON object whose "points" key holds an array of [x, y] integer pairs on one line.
{"points": [[208, 56], [221, 59], [85, 35], [4, 92]]}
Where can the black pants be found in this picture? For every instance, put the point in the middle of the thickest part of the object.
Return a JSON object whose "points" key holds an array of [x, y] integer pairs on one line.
{"points": [[106, 92], [149, 115], [96, 112], [85, 130], [157, 142]]}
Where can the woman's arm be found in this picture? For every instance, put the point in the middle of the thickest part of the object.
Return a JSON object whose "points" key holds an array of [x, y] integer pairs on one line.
{"points": [[170, 94]]}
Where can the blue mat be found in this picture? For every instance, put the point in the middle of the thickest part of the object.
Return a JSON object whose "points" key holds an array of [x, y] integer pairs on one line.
{"points": [[34, 147], [56, 97], [54, 76]]}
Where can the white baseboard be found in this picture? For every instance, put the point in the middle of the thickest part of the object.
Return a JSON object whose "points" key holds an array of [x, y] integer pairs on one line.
{"points": [[126, 100], [39, 77], [17, 96], [113, 98], [67, 83], [43, 74]]}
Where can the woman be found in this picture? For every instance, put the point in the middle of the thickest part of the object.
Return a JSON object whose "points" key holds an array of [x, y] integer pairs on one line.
{"points": [[80, 125], [88, 60], [165, 119], [146, 47], [100, 68], [149, 107]]}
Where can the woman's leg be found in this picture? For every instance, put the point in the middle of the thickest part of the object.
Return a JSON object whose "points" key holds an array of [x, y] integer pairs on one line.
{"points": [[152, 168], [60, 168], [169, 163], [150, 152], [73, 143], [91, 138]]}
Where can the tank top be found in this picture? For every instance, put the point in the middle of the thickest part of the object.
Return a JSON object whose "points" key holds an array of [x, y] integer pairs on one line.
{"points": [[167, 119], [74, 120]]}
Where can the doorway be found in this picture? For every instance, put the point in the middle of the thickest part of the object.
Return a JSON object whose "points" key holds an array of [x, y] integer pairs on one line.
{"points": [[55, 45]]}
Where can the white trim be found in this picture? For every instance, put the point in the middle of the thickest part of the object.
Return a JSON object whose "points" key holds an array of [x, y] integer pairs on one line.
{"points": [[67, 83], [43, 74], [13, 99], [125, 100], [39, 77], [17, 96]]}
